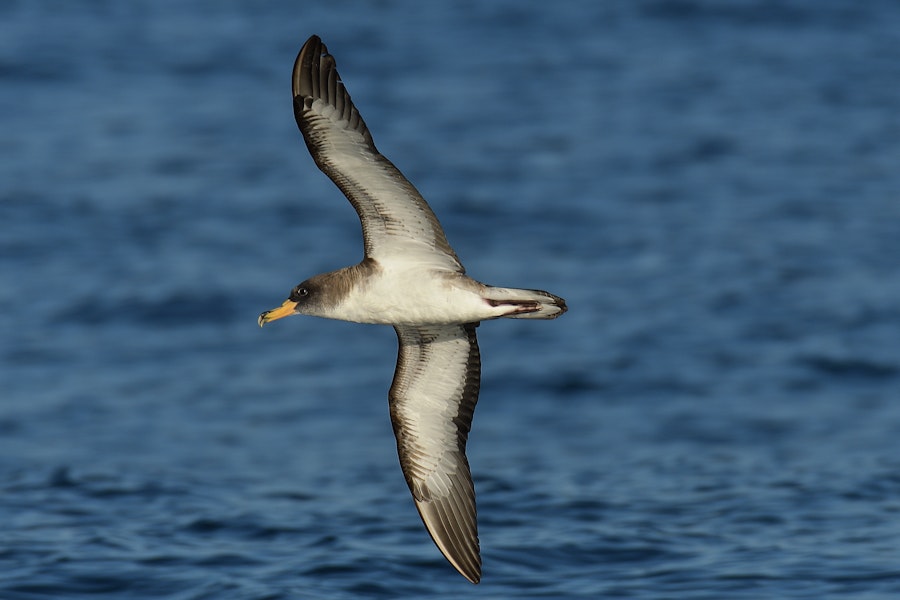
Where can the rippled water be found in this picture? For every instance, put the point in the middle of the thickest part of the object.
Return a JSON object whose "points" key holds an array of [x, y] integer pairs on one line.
{"points": [[713, 187]]}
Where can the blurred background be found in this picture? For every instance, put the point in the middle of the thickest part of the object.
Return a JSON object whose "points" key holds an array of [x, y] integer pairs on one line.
{"points": [[713, 187]]}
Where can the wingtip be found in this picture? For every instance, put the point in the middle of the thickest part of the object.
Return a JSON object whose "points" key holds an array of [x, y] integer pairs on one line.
{"points": [[312, 49], [474, 576], [455, 537], [472, 571]]}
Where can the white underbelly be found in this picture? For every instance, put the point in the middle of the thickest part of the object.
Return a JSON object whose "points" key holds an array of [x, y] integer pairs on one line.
{"points": [[415, 297]]}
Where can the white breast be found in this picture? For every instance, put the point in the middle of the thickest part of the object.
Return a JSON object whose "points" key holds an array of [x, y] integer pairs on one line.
{"points": [[400, 295]]}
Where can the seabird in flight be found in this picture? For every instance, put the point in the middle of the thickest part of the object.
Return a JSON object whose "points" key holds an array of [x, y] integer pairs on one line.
{"points": [[411, 279]]}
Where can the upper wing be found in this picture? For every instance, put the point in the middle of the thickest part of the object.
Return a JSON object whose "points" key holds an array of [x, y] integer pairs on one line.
{"points": [[432, 400], [395, 218]]}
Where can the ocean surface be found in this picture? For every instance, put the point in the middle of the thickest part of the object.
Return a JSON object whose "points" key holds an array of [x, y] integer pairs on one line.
{"points": [[713, 186]]}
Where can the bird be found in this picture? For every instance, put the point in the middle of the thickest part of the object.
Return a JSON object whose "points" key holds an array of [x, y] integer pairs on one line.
{"points": [[410, 278]]}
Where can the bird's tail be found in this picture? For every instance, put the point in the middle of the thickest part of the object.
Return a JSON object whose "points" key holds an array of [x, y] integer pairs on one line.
{"points": [[526, 304]]}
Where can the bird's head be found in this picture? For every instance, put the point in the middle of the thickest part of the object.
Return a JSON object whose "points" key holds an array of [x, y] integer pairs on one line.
{"points": [[301, 301]]}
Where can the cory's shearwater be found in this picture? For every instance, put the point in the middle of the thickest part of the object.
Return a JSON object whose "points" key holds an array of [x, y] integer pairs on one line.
{"points": [[412, 279]]}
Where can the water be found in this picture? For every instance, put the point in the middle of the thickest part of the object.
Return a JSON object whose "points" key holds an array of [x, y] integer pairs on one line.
{"points": [[713, 187]]}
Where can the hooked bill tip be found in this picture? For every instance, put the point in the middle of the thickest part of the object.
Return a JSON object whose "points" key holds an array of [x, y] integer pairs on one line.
{"points": [[285, 310]]}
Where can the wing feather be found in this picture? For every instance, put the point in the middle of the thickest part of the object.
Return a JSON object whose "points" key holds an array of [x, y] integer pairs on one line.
{"points": [[432, 401], [395, 218]]}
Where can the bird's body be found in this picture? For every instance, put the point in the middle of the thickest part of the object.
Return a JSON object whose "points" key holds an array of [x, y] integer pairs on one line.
{"points": [[411, 279], [409, 293]]}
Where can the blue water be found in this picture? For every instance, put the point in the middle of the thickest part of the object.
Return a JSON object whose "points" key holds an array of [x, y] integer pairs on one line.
{"points": [[713, 186]]}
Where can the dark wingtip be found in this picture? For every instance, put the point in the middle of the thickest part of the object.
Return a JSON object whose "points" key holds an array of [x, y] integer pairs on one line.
{"points": [[474, 575], [454, 530], [315, 77], [313, 48]]}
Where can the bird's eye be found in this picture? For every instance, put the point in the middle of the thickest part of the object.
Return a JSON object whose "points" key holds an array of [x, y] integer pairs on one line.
{"points": [[301, 292]]}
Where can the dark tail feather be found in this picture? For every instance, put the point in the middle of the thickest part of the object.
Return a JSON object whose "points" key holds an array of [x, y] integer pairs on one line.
{"points": [[526, 304]]}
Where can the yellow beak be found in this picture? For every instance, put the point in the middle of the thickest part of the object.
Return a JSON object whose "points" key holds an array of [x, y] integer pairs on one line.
{"points": [[285, 310]]}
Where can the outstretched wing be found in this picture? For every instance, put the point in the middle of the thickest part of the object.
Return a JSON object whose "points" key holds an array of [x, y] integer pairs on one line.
{"points": [[395, 218], [432, 401]]}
